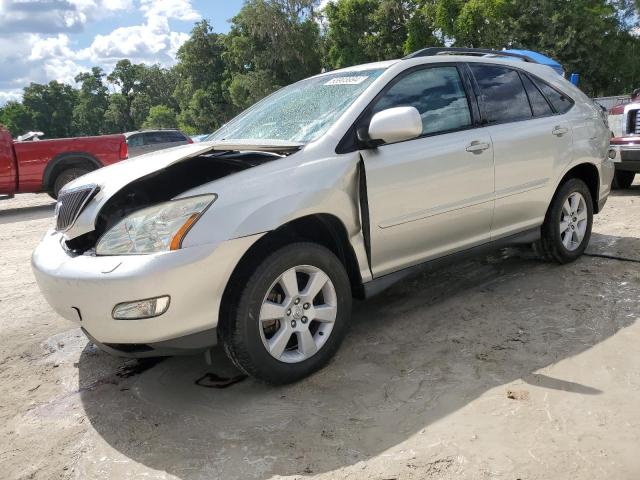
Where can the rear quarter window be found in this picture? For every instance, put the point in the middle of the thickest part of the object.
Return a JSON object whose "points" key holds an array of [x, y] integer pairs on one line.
{"points": [[152, 138], [175, 137], [135, 141], [560, 102]]}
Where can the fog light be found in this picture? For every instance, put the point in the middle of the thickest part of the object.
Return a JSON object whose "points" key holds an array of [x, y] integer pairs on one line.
{"points": [[148, 308]]}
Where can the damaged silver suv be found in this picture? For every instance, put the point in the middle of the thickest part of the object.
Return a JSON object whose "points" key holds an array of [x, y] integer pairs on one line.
{"points": [[333, 187]]}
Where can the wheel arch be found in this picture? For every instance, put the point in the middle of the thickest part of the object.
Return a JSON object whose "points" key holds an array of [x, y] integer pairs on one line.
{"points": [[589, 174], [323, 229], [67, 160]]}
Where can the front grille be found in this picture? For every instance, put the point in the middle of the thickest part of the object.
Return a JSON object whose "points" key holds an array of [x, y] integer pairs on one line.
{"points": [[635, 121], [71, 203]]}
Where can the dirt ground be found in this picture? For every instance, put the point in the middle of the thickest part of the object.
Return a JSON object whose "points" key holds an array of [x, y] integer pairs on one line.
{"points": [[505, 367]]}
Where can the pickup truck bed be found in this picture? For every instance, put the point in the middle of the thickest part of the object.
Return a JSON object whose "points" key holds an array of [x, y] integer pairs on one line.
{"points": [[46, 165]]}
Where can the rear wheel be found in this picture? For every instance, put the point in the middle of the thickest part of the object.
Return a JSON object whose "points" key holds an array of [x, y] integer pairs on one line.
{"points": [[291, 316], [622, 179], [65, 177], [567, 227]]}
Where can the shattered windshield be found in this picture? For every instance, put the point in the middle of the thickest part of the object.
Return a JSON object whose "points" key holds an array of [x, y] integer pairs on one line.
{"points": [[300, 112]]}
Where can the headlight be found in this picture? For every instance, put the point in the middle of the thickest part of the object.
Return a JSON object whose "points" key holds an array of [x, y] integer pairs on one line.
{"points": [[154, 229]]}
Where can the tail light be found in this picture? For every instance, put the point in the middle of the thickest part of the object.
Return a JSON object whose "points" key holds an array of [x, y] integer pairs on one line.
{"points": [[189, 140], [124, 150]]}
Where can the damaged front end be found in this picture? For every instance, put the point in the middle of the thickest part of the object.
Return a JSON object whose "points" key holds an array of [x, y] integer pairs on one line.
{"points": [[165, 182]]}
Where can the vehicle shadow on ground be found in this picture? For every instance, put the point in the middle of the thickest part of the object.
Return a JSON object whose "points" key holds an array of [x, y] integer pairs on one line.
{"points": [[633, 190], [22, 214], [416, 353]]}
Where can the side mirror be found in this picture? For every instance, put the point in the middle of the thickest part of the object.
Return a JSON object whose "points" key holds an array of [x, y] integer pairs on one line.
{"points": [[395, 125]]}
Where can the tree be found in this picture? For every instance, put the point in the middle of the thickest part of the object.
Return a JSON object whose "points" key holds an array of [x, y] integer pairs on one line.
{"points": [[156, 87], [560, 29], [92, 102], [202, 76], [51, 107], [247, 88], [483, 23], [128, 77], [274, 41], [161, 116], [349, 25], [16, 117], [117, 117], [362, 31]]}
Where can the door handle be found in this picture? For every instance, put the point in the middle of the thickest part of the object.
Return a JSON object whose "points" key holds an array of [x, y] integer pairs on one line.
{"points": [[477, 147], [559, 131]]}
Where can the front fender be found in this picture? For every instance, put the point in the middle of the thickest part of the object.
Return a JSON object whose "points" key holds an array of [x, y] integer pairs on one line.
{"points": [[265, 198]]}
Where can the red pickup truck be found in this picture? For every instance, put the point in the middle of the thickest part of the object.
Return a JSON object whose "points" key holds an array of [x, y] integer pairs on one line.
{"points": [[624, 121], [47, 165]]}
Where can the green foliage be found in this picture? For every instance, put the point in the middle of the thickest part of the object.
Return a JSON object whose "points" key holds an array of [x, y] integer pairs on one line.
{"points": [[349, 27], [116, 117], [201, 75], [51, 108], [91, 103], [272, 43], [16, 117], [247, 88], [280, 38], [128, 78], [584, 35], [161, 116]]}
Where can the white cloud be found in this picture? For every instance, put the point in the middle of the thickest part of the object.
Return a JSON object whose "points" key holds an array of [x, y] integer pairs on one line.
{"points": [[175, 9], [10, 95], [36, 44], [54, 16], [151, 42]]}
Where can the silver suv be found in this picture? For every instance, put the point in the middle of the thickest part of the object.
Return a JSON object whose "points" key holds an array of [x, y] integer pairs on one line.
{"points": [[333, 187]]}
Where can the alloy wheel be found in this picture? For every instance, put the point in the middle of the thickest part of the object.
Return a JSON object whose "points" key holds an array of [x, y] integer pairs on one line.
{"points": [[298, 314], [573, 221]]}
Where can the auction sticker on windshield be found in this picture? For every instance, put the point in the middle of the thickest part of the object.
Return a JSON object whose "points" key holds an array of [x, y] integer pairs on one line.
{"points": [[347, 80]]}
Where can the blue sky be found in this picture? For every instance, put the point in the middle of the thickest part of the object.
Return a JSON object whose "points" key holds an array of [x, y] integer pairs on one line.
{"points": [[43, 40]]}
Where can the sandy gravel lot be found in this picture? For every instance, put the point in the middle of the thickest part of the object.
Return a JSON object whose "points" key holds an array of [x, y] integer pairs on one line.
{"points": [[505, 367]]}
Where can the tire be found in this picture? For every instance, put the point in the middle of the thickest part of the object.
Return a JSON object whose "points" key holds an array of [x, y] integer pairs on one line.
{"points": [[561, 244], [247, 329], [622, 179], [65, 177]]}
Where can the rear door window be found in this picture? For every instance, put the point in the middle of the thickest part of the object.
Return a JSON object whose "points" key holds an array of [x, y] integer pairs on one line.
{"points": [[437, 93], [502, 95], [539, 104]]}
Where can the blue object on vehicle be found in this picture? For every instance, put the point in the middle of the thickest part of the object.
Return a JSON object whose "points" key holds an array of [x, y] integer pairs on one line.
{"points": [[575, 78], [540, 58], [199, 138]]}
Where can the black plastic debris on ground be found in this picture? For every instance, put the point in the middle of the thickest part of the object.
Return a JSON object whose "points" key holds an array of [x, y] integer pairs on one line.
{"points": [[137, 366], [211, 380]]}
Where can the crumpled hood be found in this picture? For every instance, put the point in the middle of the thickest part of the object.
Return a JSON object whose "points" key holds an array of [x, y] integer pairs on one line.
{"points": [[113, 178]]}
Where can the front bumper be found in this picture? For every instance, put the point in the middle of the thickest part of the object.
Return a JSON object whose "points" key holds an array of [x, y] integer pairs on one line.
{"points": [[627, 154], [84, 289]]}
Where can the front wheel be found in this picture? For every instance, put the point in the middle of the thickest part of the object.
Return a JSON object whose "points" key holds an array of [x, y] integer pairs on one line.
{"points": [[622, 179], [291, 316], [567, 227]]}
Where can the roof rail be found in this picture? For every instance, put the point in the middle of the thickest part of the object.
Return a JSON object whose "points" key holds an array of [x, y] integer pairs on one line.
{"points": [[432, 51]]}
